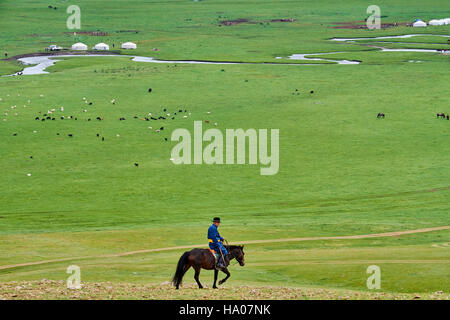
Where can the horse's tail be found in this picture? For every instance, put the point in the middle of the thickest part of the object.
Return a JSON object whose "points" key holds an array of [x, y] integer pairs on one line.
{"points": [[179, 273]]}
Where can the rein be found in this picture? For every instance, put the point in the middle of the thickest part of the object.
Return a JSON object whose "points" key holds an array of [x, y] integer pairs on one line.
{"points": [[231, 255]]}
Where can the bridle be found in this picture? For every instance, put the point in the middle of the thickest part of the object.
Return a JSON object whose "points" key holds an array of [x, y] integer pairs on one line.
{"points": [[232, 255]]}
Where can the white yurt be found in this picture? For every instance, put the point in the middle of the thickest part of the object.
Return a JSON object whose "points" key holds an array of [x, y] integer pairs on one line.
{"points": [[446, 21], [435, 22], [129, 45], [79, 46], [419, 23], [101, 46]]}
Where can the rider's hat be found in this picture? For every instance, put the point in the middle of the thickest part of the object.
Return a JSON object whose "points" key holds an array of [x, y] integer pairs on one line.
{"points": [[216, 219]]}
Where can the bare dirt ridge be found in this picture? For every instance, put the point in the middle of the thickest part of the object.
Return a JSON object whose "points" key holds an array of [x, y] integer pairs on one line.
{"points": [[122, 254], [90, 33], [64, 52], [362, 25], [243, 20]]}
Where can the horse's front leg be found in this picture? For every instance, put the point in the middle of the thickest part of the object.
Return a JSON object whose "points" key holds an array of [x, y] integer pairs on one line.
{"points": [[216, 272], [226, 278], [197, 273]]}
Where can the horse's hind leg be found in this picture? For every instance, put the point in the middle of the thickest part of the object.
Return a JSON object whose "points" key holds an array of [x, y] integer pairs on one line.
{"points": [[197, 273], [226, 278]]}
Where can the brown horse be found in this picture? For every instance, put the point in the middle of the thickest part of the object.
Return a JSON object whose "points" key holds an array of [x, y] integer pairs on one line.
{"points": [[203, 258]]}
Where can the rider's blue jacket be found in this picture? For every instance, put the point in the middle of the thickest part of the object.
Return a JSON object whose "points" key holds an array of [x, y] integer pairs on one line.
{"points": [[213, 234], [215, 240]]}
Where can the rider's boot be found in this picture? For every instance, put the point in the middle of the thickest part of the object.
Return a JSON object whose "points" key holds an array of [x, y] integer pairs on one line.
{"points": [[221, 264]]}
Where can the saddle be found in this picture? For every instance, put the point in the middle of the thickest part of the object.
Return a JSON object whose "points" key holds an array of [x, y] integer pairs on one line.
{"points": [[215, 254]]}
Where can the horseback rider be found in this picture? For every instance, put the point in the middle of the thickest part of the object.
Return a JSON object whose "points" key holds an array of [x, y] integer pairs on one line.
{"points": [[216, 244]]}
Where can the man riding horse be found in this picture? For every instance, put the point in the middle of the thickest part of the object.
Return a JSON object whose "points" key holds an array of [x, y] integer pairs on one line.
{"points": [[216, 244], [205, 259]]}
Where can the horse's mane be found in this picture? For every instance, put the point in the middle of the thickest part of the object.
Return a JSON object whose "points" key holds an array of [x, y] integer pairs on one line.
{"points": [[231, 247]]}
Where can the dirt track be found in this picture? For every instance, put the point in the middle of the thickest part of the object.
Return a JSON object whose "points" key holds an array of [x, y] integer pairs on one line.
{"points": [[363, 236], [57, 290]]}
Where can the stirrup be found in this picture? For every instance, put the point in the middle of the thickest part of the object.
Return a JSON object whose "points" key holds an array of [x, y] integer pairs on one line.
{"points": [[220, 267], [220, 264]]}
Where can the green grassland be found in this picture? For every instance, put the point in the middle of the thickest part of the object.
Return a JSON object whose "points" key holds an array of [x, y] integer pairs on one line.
{"points": [[342, 171]]}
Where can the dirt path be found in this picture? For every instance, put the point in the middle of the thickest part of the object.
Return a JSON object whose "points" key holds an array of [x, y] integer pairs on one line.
{"points": [[122, 254], [57, 290]]}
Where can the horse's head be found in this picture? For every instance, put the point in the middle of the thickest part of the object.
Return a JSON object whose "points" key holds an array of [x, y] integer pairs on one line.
{"points": [[238, 253]]}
